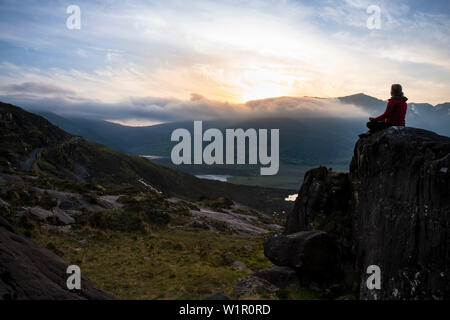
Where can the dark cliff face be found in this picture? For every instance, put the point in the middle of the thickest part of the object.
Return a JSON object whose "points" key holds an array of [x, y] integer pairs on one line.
{"points": [[401, 184], [391, 210]]}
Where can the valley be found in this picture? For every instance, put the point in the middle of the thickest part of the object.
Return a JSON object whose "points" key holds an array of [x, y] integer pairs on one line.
{"points": [[305, 142], [141, 230], [137, 229]]}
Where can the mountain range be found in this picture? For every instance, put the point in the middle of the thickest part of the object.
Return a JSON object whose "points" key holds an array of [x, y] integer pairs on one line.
{"points": [[305, 142]]}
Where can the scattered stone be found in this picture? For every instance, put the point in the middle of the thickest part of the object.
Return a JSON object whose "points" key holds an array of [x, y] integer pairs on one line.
{"points": [[67, 204], [42, 214], [236, 263], [62, 216], [252, 286], [39, 212], [198, 224], [278, 276]]}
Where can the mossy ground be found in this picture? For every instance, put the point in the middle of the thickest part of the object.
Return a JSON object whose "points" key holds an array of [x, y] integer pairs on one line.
{"points": [[164, 264], [128, 254]]}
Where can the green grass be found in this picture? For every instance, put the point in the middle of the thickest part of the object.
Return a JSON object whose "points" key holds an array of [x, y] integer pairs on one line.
{"points": [[127, 253], [165, 264]]}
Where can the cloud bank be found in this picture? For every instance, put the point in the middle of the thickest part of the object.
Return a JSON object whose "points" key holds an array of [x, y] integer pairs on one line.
{"points": [[150, 110]]}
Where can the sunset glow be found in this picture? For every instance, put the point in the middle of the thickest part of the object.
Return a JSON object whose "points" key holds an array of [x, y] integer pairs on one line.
{"points": [[229, 53]]}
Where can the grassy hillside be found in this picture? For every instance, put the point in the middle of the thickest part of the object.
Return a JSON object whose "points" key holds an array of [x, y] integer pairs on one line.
{"points": [[130, 252], [22, 132], [304, 143]]}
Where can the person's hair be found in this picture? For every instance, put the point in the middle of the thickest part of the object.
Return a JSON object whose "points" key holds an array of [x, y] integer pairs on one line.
{"points": [[396, 90]]}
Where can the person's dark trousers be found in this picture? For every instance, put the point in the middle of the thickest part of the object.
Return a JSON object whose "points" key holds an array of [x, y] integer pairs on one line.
{"points": [[375, 126]]}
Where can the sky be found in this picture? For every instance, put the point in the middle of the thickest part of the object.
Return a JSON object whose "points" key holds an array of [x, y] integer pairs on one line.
{"points": [[146, 62]]}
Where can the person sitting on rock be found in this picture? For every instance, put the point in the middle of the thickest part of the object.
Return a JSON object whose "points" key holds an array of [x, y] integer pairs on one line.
{"points": [[394, 114]]}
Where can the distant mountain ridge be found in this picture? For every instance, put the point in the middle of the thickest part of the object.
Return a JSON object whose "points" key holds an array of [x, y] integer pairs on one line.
{"points": [[303, 141]]}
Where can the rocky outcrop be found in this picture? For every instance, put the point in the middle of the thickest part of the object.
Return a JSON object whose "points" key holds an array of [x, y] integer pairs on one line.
{"points": [[42, 214], [317, 240], [323, 197], [29, 271], [401, 184], [391, 210]]}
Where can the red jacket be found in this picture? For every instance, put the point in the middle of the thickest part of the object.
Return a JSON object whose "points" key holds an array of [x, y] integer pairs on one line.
{"points": [[395, 112]]}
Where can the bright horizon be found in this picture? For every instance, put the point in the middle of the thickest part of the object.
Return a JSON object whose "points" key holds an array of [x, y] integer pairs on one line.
{"points": [[142, 56]]}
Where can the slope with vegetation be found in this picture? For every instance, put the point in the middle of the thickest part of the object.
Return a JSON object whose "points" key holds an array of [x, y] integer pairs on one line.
{"points": [[59, 154], [136, 229], [305, 141]]}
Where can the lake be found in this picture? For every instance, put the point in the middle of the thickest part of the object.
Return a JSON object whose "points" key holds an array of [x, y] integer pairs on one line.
{"points": [[218, 177]]}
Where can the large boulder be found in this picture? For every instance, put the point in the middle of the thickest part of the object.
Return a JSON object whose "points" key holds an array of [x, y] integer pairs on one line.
{"points": [[29, 271], [312, 253], [401, 183]]}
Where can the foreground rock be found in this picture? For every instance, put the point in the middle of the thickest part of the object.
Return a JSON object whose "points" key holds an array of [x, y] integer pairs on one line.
{"points": [[312, 253], [401, 182], [392, 210], [29, 271]]}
